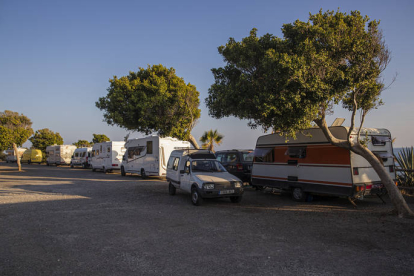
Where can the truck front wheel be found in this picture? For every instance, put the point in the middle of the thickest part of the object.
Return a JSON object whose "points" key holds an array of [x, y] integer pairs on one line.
{"points": [[196, 198]]}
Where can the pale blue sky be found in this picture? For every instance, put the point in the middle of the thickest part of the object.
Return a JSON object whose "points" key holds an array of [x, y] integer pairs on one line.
{"points": [[56, 57]]}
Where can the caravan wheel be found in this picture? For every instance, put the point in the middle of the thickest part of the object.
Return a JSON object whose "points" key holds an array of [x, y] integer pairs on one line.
{"points": [[299, 195]]}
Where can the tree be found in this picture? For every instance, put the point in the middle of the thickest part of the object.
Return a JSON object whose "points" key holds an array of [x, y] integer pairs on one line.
{"points": [[292, 83], [82, 144], [15, 129], [210, 138], [99, 138], [45, 137], [152, 100]]}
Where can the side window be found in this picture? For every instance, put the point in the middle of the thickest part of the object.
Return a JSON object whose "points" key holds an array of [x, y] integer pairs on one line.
{"points": [[93, 153], [176, 162], [170, 162], [100, 149], [108, 149], [296, 152], [149, 147], [76, 154], [231, 157], [130, 153], [97, 152], [380, 140], [264, 155], [220, 157]]}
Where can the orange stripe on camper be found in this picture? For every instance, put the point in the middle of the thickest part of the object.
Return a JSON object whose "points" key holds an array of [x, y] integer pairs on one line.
{"points": [[316, 154]]}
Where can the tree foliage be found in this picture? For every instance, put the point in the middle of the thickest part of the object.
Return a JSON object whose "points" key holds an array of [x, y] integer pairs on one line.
{"points": [[286, 83], [45, 137], [210, 138], [292, 83], [152, 100], [99, 138], [82, 144], [14, 128]]}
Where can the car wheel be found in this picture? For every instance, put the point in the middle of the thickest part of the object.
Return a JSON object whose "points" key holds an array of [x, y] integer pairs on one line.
{"points": [[298, 194], [83, 166], [196, 199], [123, 171], [259, 188], [93, 169], [71, 165], [104, 169], [28, 162], [143, 174], [171, 189], [47, 164], [235, 199]]}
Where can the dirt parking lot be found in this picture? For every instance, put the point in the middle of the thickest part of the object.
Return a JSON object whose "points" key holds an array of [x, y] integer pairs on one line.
{"points": [[61, 221]]}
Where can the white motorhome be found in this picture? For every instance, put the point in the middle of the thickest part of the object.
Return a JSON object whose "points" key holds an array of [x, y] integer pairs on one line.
{"points": [[80, 157], [199, 173], [148, 156], [11, 156], [59, 154], [310, 164], [107, 156]]}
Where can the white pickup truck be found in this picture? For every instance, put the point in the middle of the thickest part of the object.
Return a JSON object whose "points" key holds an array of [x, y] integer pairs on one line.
{"points": [[199, 173]]}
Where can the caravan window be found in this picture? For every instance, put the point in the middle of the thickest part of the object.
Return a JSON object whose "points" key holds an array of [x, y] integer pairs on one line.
{"points": [[380, 140], [149, 147], [263, 155], [109, 149], [296, 152], [383, 155]]}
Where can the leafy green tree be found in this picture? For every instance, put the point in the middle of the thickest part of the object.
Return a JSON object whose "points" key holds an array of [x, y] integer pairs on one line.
{"points": [[45, 137], [292, 83], [15, 129], [99, 138], [210, 138], [82, 144], [152, 100]]}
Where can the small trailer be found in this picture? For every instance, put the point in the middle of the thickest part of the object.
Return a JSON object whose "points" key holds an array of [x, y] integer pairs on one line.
{"points": [[311, 165], [149, 156], [107, 156], [11, 155], [59, 154]]}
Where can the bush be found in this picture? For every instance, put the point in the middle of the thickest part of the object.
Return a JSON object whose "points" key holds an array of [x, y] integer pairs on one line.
{"points": [[3, 156], [405, 160]]}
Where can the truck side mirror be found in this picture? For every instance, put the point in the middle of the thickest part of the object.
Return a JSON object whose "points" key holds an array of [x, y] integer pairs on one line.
{"points": [[187, 170]]}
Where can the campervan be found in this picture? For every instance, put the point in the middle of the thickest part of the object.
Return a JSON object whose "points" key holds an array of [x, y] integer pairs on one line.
{"points": [[199, 173], [11, 155], [107, 156], [80, 157], [148, 156], [32, 156], [311, 165], [59, 154]]}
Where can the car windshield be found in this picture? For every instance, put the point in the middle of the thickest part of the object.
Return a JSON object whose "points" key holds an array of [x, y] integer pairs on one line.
{"points": [[207, 166]]}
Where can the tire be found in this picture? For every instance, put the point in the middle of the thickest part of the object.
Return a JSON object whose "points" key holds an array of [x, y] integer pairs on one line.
{"points": [[123, 171], [84, 166], [196, 199], [104, 169], [71, 165], [47, 164], [171, 189], [235, 199], [28, 162], [259, 188], [298, 194], [93, 169], [143, 174]]}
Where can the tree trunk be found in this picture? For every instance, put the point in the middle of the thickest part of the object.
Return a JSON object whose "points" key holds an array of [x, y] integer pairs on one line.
{"points": [[17, 157], [394, 193], [193, 141]]}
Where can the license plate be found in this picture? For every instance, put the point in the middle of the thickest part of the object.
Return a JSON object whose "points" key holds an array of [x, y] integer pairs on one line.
{"points": [[225, 192]]}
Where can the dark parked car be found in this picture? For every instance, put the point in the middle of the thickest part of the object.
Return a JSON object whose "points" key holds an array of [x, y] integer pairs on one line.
{"points": [[237, 162]]}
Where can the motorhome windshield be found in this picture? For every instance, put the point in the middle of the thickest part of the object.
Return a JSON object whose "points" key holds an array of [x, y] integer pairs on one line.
{"points": [[207, 166]]}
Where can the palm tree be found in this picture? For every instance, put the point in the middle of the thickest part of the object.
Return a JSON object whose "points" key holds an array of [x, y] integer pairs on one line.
{"points": [[210, 138]]}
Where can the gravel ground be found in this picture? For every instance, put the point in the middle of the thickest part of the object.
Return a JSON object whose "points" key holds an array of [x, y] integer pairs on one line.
{"points": [[61, 221]]}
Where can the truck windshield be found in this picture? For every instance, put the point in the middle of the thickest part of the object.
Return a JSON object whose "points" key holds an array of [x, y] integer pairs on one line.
{"points": [[207, 166]]}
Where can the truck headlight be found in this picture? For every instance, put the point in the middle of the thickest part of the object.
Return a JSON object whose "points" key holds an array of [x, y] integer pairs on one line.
{"points": [[237, 184], [208, 186]]}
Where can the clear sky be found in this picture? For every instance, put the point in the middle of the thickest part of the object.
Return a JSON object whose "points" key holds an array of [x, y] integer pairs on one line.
{"points": [[56, 57]]}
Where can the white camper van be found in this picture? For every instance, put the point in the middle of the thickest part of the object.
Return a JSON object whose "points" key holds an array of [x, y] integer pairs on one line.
{"points": [[80, 157], [310, 164], [11, 156], [148, 156], [107, 156], [59, 154]]}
